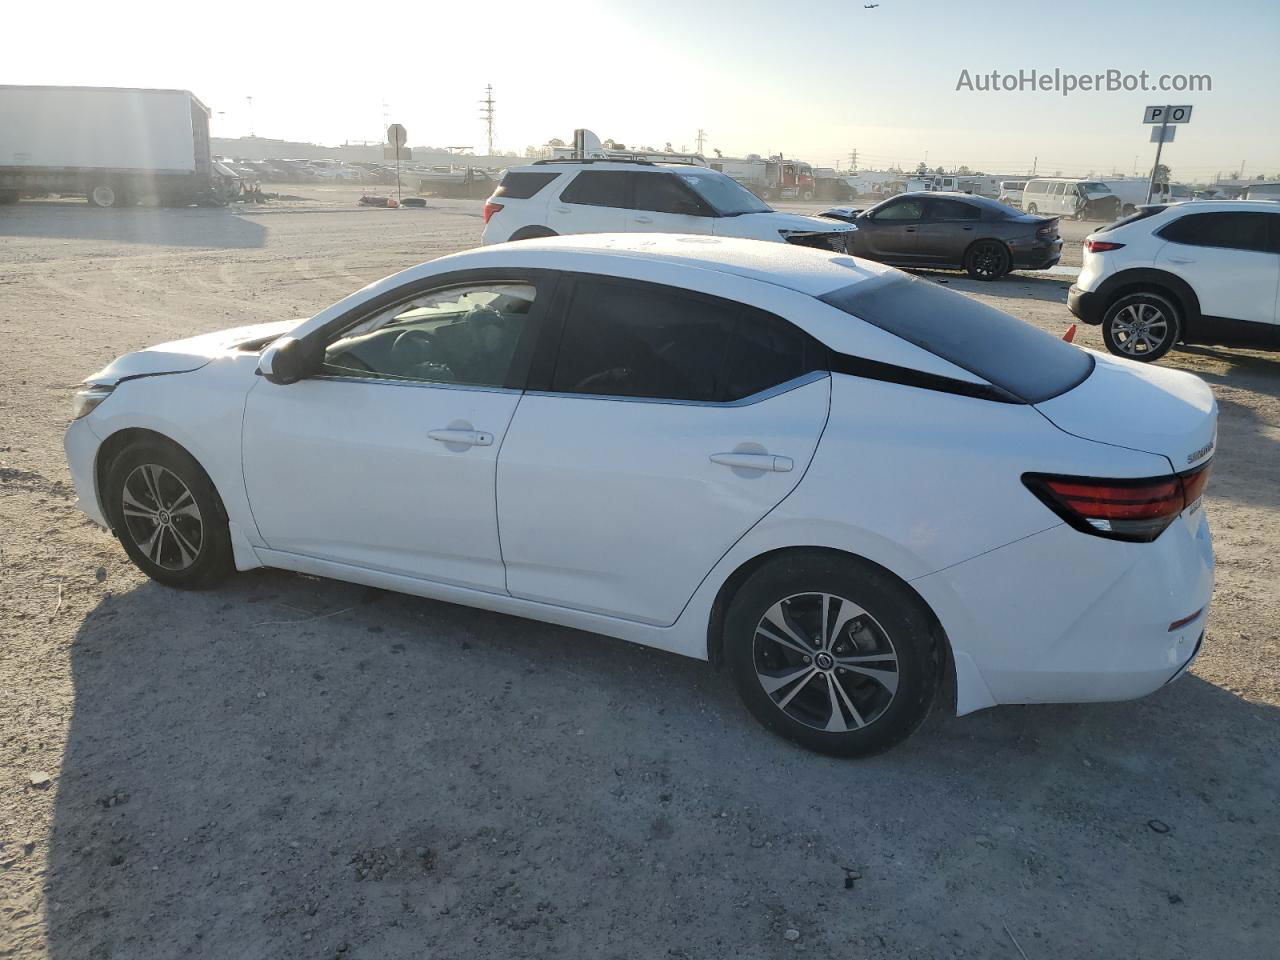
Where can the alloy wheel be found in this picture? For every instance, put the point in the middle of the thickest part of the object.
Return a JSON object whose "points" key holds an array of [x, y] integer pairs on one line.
{"points": [[1140, 329], [825, 662], [988, 261], [161, 516]]}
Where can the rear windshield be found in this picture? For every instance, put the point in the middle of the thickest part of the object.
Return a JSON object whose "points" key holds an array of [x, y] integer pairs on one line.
{"points": [[1030, 364], [522, 186], [1142, 214]]}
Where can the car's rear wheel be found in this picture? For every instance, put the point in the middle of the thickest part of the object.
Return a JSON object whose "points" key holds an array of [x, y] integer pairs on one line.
{"points": [[1141, 326], [1032, 208], [168, 515], [105, 195], [987, 260], [533, 233], [832, 652]]}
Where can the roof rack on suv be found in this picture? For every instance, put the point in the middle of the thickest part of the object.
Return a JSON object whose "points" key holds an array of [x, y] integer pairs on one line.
{"points": [[647, 163], [644, 163]]}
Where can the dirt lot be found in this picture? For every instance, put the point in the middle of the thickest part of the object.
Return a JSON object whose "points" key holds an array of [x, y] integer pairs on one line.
{"points": [[289, 767]]}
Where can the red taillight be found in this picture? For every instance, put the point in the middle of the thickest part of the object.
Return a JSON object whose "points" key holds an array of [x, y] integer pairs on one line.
{"points": [[490, 208], [1136, 510], [1101, 246]]}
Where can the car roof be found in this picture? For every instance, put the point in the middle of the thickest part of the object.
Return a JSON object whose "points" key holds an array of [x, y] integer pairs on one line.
{"points": [[803, 269], [1227, 206], [631, 165]]}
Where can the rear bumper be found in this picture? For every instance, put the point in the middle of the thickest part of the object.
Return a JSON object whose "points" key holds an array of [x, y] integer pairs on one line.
{"points": [[1064, 617], [1040, 256], [1086, 305]]}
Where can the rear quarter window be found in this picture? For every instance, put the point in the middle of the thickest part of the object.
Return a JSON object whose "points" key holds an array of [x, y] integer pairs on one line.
{"points": [[522, 186], [1030, 364]]}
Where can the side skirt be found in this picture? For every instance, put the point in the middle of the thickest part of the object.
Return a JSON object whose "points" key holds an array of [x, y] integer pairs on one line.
{"points": [[661, 638]]}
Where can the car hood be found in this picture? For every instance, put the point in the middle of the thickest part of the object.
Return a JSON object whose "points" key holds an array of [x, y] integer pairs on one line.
{"points": [[1142, 407], [183, 356], [767, 226]]}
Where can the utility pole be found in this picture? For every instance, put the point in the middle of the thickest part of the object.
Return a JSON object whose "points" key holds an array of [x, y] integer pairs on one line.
{"points": [[486, 113], [853, 160], [249, 100], [701, 139], [1035, 162], [1155, 167]]}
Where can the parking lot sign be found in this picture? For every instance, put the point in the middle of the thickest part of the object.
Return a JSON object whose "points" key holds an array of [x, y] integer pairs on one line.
{"points": [[1167, 114]]}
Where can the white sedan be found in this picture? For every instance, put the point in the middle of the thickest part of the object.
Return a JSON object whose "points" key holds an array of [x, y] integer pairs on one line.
{"points": [[844, 482]]}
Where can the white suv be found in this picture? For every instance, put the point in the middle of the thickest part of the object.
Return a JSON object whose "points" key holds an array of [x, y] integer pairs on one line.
{"points": [[552, 197], [1204, 272]]}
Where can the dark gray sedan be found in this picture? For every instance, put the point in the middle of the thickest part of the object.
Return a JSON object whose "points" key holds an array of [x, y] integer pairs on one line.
{"points": [[981, 236]]}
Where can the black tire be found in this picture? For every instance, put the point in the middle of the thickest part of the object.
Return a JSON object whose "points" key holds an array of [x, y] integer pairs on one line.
{"points": [[892, 619], [1033, 209], [987, 260], [1142, 326], [8, 196], [533, 233], [191, 552], [1129, 209]]}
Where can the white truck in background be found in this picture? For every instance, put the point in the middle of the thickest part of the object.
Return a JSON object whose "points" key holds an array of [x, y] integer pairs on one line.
{"points": [[111, 145]]}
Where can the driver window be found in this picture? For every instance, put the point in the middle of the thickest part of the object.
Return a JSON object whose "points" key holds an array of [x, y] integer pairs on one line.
{"points": [[459, 335], [902, 210]]}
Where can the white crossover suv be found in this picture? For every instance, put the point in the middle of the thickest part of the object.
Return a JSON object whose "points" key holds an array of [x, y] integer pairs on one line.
{"points": [[843, 482], [553, 197], [1202, 272]]}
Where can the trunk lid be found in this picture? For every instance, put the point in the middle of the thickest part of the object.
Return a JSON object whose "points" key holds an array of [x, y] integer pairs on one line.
{"points": [[1141, 407]]}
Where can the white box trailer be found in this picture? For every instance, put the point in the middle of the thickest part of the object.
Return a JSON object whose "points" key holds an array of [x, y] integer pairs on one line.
{"points": [[112, 145]]}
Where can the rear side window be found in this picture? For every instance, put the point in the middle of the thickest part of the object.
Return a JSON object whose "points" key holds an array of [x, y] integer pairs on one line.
{"points": [[951, 210], [1030, 364], [599, 188], [522, 186], [1238, 231], [640, 340], [665, 193]]}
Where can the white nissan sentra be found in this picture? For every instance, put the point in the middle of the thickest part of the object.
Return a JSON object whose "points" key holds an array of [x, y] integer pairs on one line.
{"points": [[843, 482]]}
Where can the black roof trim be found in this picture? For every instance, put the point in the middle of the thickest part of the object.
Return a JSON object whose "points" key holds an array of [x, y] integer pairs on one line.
{"points": [[907, 377]]}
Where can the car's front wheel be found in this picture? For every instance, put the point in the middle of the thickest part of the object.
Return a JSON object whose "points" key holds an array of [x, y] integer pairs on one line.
{"points": [[168, 515], [1141, 326], [832, 652]]}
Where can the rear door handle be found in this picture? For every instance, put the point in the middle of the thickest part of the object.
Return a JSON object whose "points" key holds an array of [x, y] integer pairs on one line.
{"points": [[911, 230], [471, 438], [644, 219], [562, 209], [754, 461]]}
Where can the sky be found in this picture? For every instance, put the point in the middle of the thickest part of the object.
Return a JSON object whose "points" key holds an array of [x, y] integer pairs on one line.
{"points": [[813, 80]]}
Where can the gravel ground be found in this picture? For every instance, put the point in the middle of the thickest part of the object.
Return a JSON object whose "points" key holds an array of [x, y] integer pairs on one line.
{"points": [[290, 767]]}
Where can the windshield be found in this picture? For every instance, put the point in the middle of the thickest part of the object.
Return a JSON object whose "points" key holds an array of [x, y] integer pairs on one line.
{"points": [[725, 195], [1095, 188]]}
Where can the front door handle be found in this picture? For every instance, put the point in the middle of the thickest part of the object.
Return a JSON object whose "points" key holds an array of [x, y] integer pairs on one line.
{"points": [[910, 230], [754, 461], [644, 219], [1181, 260], [470, 438]]}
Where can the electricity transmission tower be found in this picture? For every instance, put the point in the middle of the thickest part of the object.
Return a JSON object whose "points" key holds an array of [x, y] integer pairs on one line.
{"points": [[486, 113], [853, 160], [701, 139]]}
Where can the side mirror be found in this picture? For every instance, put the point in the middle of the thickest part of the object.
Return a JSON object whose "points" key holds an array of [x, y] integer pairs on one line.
{"points": [[284, 361]]}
